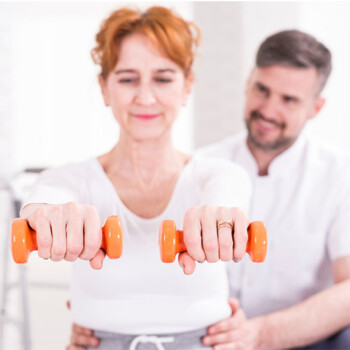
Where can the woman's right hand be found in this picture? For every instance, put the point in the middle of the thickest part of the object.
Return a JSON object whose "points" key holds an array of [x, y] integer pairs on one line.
{"points": [[66, 231]]}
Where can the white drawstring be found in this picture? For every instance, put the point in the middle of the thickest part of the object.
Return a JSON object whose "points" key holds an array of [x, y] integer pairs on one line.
{"points": [[150, 339]]}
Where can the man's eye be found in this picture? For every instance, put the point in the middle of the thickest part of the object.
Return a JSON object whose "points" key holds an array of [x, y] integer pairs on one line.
{"points": [[289, 99], [262, 89]]}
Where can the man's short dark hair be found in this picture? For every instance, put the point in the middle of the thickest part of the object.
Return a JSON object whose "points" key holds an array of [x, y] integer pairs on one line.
{"points": [[294, 48]]}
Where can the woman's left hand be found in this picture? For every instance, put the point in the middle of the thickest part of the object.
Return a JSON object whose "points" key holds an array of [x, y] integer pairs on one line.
{"points": [[213, 234]]}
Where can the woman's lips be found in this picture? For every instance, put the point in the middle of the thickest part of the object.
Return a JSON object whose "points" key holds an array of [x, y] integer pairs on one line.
{"points": [[146, 116]]}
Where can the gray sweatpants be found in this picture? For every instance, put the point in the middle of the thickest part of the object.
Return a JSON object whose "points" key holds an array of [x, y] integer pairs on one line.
{"points": [[176, 341]]}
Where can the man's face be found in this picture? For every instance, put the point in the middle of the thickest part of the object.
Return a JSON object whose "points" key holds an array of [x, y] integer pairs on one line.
{"points": [[279, 101]]}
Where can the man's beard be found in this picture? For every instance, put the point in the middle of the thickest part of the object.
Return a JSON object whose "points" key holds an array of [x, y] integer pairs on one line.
{"points": [[280, 143]]}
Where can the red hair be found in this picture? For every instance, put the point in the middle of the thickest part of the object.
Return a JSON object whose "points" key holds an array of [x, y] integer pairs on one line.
{"points": [[171, 34]]}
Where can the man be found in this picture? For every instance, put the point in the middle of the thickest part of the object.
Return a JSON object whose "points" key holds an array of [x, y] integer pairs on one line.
{"points": [[301, 294]]}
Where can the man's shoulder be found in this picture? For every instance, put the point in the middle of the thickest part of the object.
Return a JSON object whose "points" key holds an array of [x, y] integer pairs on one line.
{"points": [[225, 148], [330, 155]]}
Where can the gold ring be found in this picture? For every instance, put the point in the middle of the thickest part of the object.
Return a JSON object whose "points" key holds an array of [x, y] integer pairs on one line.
{"points": [[225, 224]]}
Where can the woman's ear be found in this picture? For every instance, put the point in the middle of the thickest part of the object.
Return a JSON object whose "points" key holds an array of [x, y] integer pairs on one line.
{"points": [[102, 82], [188, 88]]}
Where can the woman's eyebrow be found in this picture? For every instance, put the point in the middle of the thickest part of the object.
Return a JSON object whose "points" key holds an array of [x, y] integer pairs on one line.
{"points": [[130, 70], [120, 71], [165, 70]]}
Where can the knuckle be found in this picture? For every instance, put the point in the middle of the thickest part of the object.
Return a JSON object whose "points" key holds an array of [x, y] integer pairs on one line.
{"points": [[237, 211], [226, 244], [91, 245], [72, 208], [226, 337], [212, 259], [210, 245], [35, 216], [43, 254], [39, 217], [91, 210], [223, 212], [70, 258], [225, 258], [208, 209], [58, 251], [56, 211], [191, 212], [43, 241], [241, 237], [74, 249], [194, 256], [192, 241], [40, 212]]}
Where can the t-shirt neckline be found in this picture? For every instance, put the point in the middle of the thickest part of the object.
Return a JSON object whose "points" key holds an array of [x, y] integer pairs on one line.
{"points": [[136, 217]]}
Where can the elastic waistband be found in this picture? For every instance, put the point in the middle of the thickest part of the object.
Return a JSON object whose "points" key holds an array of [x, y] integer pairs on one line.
{"points": [[110, 335], [160, 341]]}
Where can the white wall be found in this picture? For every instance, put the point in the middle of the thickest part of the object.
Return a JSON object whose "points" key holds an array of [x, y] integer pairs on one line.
{"points": [[329, 21], [5, 92]]}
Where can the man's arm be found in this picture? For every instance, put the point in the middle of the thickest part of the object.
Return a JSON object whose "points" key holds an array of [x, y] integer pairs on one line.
{"points": [[310, 321]]}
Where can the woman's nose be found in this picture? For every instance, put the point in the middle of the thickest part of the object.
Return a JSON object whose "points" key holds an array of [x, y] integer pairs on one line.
{"points": [[145, 95]]}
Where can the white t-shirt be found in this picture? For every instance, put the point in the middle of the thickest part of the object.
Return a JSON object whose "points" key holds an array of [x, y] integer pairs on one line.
{"points": [[305, 203], [138, 293]]}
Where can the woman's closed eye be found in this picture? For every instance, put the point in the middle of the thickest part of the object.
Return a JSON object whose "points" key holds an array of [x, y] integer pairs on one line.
{"points": [[163, 80], [128, 80]]}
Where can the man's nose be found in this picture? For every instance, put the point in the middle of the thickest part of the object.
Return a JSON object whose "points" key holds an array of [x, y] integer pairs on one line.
{"points": [[270, 107], [145, 95]]}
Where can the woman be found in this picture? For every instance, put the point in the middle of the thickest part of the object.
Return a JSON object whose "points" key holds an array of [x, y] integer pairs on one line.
{"points": [[146, 77]]}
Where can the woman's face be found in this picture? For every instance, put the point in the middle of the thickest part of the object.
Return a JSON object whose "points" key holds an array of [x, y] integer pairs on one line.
{"points": [[145, 89]]}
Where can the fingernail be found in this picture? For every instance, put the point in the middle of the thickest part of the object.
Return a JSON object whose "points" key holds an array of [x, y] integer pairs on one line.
{"points": [[236, 260]]}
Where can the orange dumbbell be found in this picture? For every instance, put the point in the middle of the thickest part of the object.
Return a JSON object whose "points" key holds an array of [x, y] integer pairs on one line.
{"points": [[171, 241], [23, 239]]}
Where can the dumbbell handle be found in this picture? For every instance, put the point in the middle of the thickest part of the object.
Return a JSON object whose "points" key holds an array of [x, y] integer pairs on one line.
{"points": [[171, 241], [23, 239]]}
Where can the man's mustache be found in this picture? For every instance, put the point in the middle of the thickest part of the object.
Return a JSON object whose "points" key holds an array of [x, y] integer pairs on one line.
{"points": [[254, 115]]}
